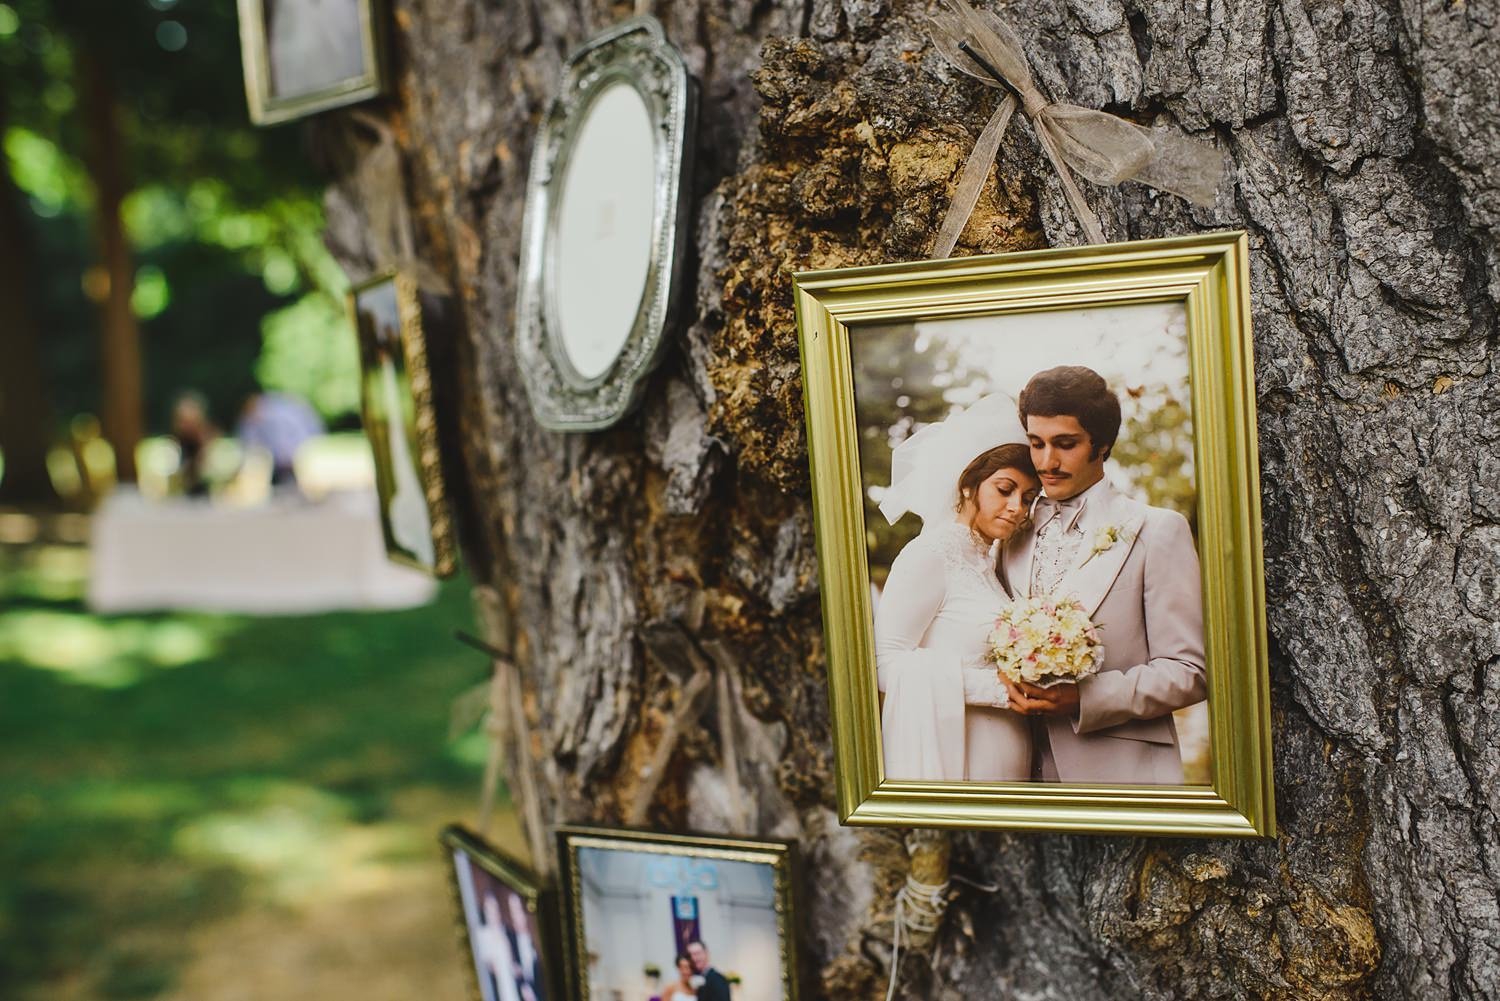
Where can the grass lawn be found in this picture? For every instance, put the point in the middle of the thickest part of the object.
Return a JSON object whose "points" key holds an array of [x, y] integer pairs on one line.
{"points": [[194, 805]]}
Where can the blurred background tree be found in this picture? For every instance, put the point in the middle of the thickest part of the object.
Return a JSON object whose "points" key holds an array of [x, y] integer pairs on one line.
{"points": [[1155, 450], [169, 243], [902, 381]]}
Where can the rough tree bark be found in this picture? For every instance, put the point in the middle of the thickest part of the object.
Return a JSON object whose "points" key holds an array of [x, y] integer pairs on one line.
{"points": [[1364, 149]]}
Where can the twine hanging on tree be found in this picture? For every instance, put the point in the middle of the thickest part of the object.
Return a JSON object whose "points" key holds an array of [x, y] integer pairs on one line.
{"points": [[1100, 146], [498, 703], [923, 898]]}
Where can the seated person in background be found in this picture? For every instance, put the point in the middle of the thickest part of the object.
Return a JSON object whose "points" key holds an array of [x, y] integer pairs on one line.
{"points": [[193, 432], [279, 423]]}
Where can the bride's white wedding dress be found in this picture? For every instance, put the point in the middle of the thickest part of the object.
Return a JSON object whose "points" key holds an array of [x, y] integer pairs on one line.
{"points": [[943, 718]]}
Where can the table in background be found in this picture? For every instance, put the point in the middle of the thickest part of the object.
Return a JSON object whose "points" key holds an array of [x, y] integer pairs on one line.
{"points": [[287, 556]]}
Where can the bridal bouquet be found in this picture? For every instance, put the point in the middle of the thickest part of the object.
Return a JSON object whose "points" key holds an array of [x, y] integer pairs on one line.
{"points": [[1043, 641]]}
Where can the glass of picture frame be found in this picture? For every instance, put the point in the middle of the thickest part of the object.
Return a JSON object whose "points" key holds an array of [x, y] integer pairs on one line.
{"points": [[400, 421], [686, 917], [1017, 461], [301, 57], [506, 921]]}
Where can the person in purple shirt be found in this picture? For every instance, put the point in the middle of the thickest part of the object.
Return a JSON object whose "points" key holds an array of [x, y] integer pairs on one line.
{"points": [[279, 423]]}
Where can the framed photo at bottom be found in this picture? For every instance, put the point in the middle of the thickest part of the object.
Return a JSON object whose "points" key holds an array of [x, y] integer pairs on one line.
{"points": [[677, 917], [506, 922], [1037, 504]]}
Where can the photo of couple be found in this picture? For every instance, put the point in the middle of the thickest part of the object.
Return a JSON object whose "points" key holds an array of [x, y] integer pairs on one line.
{"points": [[1031, 529], [503, 935], [661, 925], [697, 978]]}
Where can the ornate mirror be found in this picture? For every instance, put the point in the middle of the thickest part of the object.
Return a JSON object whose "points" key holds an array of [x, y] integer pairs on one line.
{"points": [[606, 201]]}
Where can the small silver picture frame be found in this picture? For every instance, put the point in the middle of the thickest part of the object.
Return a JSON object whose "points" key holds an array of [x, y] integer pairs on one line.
{"points": [[584, 341]]}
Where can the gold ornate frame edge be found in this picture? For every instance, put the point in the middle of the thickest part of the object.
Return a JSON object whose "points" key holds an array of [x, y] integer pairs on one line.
{"points": [[1210, 275], [429, 452], [517, 877]]}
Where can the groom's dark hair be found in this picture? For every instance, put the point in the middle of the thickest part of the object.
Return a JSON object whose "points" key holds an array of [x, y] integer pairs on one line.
{"points": [[1078, 392]]}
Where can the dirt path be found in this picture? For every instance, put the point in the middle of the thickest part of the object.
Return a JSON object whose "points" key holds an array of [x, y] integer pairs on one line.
{"points": [[387, 934], [383, 930]]}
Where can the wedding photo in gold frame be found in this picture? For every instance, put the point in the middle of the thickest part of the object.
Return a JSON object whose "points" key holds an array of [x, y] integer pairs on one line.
{"points": [[397, 410], [1021, 454], [301, 57], [506, 920], [677, 915]]}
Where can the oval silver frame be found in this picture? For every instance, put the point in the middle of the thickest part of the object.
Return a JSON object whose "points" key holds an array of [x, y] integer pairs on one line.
{"points": [[635, 52]]}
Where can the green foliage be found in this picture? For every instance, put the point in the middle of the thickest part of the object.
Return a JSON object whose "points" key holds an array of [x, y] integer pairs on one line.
{"points": [[309, 350], [55, 181], [225, 219]]}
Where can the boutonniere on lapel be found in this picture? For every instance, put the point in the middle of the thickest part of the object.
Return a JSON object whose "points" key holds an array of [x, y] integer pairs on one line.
{"points": [[1104, 541]]}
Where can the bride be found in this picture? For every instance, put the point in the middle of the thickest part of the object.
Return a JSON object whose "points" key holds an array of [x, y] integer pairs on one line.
{"points": [[970, 479]]}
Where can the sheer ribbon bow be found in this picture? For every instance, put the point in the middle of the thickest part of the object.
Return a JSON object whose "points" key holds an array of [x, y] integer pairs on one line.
{"points": [[1100, 146]]}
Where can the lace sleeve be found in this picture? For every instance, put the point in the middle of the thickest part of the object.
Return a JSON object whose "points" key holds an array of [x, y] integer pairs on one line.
{"points": [[912, 596], [922, 718]]}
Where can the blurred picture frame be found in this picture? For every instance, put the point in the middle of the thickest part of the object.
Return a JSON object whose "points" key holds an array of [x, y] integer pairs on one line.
{"points": [[608, 203], [301, 57], [1101, 755], [507, 921], [677, 915], [390, 314]]}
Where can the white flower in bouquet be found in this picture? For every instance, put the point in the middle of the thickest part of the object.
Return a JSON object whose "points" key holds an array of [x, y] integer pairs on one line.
{"points": [[1044, 640]]}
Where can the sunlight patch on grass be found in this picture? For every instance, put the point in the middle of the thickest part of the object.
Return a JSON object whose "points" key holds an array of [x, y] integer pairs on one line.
{"points": [[105, 653], [60, 571], [138, 801], [46, 572], [296, 843]]}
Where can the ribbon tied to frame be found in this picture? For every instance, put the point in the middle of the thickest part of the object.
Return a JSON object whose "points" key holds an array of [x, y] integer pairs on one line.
{"points": [[1102, 147]]}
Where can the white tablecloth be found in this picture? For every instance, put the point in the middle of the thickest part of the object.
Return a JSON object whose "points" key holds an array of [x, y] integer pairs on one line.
{"points": [[289, 555]]}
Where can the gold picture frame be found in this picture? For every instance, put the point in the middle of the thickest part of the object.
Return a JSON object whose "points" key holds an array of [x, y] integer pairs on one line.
{"points": [[539, 902], [405, 298], [1209, 276], [269, 108], [778, 856]]}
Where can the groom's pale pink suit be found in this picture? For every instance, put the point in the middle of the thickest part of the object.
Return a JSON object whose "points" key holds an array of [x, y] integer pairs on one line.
{"points": [[1142, 590]]}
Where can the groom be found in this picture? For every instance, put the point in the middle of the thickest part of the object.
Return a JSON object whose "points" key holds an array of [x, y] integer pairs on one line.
{"points": [[1134, 569], [715, 984]]}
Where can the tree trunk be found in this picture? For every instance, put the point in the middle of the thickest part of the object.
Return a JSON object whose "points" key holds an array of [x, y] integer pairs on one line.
{"points": [[1362, 147], [123, 416], [25, 417]]}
